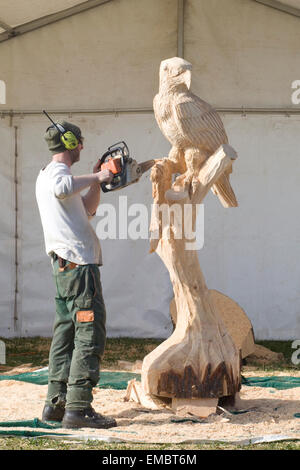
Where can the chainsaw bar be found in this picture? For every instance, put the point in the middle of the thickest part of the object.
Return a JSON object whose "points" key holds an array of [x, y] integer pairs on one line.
{"points": [[145, 166]]}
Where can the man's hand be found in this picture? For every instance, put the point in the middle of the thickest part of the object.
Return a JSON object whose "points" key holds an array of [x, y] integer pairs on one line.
{"points": [[104, 176]]}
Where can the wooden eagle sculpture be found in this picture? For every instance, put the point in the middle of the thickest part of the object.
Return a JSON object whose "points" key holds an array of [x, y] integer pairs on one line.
{"points": [[191, 125], [199, 363]]}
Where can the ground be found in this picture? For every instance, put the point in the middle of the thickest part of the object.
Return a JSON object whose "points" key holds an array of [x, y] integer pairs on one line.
{"points": [[276, 415]]}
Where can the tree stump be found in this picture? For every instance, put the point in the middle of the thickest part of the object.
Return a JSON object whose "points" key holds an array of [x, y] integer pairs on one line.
{"points": [[199, 361]]}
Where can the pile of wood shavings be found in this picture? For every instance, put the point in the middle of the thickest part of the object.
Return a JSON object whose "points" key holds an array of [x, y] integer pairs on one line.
{"points": [[265, 412]]}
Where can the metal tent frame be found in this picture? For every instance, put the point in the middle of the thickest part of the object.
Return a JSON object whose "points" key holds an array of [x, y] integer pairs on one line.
{"points": [[11, 32]]}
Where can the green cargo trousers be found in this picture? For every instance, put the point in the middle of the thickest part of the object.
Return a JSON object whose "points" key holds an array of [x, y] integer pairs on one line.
{"points": [[79, 336]]}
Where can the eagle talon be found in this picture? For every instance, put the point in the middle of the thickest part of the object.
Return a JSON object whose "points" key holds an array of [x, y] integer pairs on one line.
{"points": [[188, 182]]}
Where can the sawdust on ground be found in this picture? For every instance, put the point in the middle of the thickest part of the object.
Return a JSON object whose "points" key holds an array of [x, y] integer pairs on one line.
{"points": [[267, 411]]}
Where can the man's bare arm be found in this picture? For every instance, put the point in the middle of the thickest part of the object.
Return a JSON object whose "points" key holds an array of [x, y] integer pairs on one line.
{"points": [[92, 197], [82, 182]]}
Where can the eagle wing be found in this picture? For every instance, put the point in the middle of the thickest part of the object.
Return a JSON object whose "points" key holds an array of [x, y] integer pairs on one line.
{"points": [[203, 128], [199, 124], [157, 113]]}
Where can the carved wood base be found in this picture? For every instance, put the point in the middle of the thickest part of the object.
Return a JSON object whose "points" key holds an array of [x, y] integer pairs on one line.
{"points": [[201, 407]]}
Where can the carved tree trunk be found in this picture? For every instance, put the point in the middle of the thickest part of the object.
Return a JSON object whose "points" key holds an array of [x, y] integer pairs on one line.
{"points": [[199, 360]]}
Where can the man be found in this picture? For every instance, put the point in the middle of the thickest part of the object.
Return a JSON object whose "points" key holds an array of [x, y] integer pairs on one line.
{"points": [[79, 329]]}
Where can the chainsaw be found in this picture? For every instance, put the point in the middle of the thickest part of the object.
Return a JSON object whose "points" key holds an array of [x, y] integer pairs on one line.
{"points": [[125, 169]]}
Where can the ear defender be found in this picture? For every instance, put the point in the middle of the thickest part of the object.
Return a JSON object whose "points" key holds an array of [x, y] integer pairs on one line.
{"points": [[67, 138]]}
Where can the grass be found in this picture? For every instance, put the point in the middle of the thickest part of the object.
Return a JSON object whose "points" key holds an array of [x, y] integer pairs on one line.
{"points": [[34, 352], [283, 347], [13, 443]]}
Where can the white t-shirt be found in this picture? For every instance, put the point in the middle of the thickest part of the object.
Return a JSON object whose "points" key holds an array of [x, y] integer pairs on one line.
{"points": [[66, 226]]}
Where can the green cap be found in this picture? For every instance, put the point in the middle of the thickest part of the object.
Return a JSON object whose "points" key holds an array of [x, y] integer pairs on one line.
{"points": [[52, 136]]}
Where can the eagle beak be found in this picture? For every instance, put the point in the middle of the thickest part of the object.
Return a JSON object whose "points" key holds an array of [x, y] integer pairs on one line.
{"points": [[188, 77]]}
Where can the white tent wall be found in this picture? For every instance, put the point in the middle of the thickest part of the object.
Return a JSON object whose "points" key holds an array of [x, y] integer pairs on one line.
{"points": [[251, 253], [109, 57], [248, 251], [7, 232]]}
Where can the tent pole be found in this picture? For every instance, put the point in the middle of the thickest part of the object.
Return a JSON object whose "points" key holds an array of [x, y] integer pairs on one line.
{"points": [[277, 5], [243, 111], [16, 294], [180, 28]]}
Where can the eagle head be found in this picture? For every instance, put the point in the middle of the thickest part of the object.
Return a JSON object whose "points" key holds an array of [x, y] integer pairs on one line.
{"points": [[174, 72]]}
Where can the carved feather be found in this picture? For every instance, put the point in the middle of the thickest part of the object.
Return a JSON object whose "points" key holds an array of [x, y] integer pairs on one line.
{"points": [[200, 124]]}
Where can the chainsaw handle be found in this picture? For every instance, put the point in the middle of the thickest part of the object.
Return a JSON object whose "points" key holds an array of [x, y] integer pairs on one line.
{"points": [[124, 146], [106, 154], [117, 175], [104, 188], [112, 152]]}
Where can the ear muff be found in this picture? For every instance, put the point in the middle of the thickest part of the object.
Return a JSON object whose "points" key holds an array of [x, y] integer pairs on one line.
{"points": [[69, 140]]}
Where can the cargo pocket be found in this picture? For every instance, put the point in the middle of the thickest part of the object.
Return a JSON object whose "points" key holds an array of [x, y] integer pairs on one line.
{"points": [[84, 316], [85, 290], [68, 283]]}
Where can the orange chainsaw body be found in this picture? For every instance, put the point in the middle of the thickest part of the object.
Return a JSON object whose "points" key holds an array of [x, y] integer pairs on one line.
{"points": [[112, 164]]}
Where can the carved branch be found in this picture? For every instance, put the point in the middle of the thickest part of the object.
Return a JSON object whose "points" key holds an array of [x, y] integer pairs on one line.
{"points": [[199, 360], [165, 193]]}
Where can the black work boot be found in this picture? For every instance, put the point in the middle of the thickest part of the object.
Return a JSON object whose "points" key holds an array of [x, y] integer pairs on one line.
{"points": [[54, 412], [87, 418]]}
